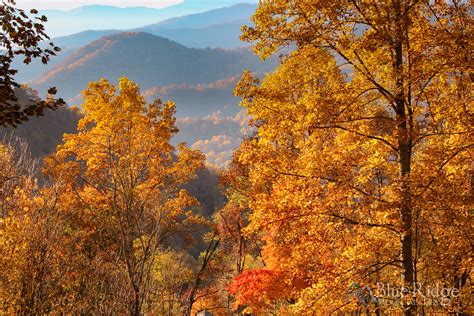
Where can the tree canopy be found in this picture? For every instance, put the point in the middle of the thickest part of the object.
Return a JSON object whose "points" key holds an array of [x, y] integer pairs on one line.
{"points": [[360, 171]]}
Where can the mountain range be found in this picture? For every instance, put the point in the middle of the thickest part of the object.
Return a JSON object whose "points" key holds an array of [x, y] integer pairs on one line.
{"points": [[214, 28], [218, 28], [98, 17], [237, 12], [149, 60]]}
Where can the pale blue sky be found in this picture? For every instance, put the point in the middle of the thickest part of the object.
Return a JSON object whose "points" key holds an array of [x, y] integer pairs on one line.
{"points": [[71, 4]]}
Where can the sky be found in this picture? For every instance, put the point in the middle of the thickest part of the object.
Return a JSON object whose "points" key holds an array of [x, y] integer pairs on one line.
{"points": [[71, 4]]}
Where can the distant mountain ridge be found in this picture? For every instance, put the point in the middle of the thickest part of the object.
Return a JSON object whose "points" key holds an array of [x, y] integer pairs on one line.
{"points": [[232, 13], [150, 61], [213, 28], [100, 17], [218, 28]]}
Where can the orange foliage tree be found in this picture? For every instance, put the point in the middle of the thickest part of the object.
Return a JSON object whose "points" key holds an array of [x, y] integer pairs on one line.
{"points": [[360, 171]]}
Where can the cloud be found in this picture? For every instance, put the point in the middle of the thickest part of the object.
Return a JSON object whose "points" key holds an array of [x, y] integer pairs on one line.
{"points": [[217, 143], [215, 135], [218, 149]]}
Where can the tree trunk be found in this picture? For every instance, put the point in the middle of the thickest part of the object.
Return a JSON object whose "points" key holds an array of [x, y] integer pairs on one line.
{"points": [[405, 153], [211, 249], [406, 238], [136, 303]]}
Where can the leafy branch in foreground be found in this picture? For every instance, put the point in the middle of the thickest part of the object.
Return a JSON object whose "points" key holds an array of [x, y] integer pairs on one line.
{"points": [[21, 34]]}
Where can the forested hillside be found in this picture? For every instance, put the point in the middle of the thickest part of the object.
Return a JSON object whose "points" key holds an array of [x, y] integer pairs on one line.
{"points": [[43, 134], [149, 60]]}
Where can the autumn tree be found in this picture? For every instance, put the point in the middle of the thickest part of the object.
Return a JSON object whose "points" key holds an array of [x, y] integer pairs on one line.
{"points": [[239, 250], [361, 170], [233, 218], [229, 250], [172, 272], [205, 260], [32, 239], [124, 183]]}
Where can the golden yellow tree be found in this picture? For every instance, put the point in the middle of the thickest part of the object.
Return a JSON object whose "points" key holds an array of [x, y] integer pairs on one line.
{"points": [[361, 168], [123, 184]]}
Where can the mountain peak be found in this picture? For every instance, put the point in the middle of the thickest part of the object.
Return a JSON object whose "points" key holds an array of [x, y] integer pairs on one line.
{"points": [[236, 12], [148, 60], [138, 35]]}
